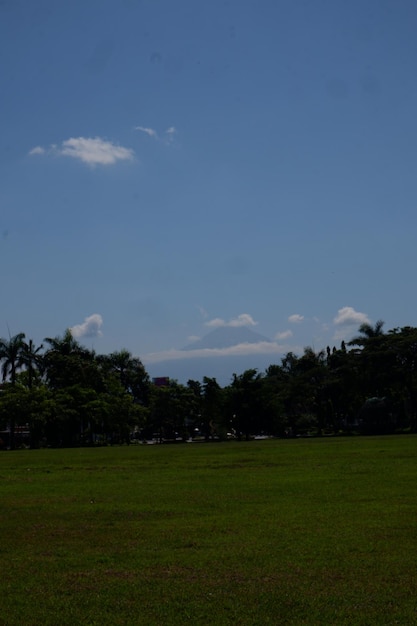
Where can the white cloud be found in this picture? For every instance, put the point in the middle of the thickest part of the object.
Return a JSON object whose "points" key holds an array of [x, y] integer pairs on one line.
{"points": [[296, 318], [284, 335], [167, 137], [90, 150], [347, 316], [89, 328], [193, 338], [170, 134], [216, 323], [148, 131], [95, 151], [37, 150], [347, 321], [242, 349], [244, 319]]}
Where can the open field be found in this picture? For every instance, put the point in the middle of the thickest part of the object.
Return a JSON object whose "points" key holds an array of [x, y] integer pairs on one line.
{"points": [[261, 532]]}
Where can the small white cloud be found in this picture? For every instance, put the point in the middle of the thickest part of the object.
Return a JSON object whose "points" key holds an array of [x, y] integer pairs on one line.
{"points": [[347, 321], [244, 319], [296, 318], [89, 328], [95, 151], [284, 335], [193, 338], [167, 137], [37, 150], [90, 150], [148, 131], [216, 323], [347, 316], [170, 134]]}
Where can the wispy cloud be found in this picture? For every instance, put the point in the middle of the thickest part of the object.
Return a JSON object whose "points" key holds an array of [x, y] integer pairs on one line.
{"points": [[166, 137], [296, 318], [170, 134], [244, 319], [242, 349], [89, 328], [37, 150], [286, 334], [90, 150], [203, 312], [148, 131]]}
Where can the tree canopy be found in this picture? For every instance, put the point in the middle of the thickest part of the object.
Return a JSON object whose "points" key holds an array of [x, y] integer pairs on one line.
{"points": [[63, 394]]}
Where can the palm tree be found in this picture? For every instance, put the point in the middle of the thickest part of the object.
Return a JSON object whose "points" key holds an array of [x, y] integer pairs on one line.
{"points": [[62, 360], [367, 332], [65, 345], [373, 359], [31, 359], [129, 370], [120, 362], [11, 356]]}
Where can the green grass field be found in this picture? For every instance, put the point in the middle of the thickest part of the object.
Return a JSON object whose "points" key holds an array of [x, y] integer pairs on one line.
{"points": [[319, 531]]}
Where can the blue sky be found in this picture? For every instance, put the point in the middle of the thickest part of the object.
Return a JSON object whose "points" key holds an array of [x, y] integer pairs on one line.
{"points": [[169, 167]]}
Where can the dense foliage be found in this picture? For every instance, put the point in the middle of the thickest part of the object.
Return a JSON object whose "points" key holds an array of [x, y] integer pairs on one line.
{"points": [[63, 394]]}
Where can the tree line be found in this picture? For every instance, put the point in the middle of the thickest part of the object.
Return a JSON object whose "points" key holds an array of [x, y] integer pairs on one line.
{"points": [[63, 394]]}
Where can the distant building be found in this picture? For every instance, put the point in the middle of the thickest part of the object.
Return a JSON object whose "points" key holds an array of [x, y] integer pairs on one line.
{"points": [[161, 381]]}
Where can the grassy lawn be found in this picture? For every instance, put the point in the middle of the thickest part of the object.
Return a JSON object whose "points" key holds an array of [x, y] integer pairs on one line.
{"points": [[262, 532]]}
